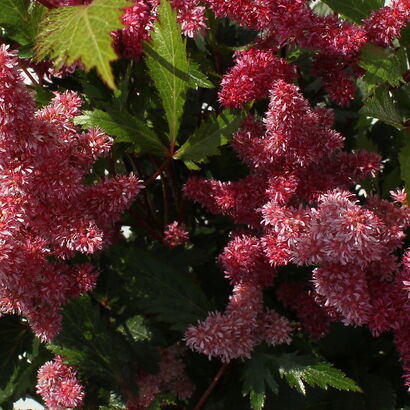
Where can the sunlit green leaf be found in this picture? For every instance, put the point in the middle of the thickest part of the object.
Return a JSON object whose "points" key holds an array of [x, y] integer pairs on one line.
{"points": [[82, 33], [168, 66], [355, 10]]}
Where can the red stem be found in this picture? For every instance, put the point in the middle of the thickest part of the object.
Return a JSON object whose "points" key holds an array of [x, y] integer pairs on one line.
{"points": [[153, 177], [28, 74], [208, 391], [139, 220]]}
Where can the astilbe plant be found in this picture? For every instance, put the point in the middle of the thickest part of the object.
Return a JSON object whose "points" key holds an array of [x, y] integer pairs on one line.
{"points": [[58, 385], [254, 261], [48, 213]]}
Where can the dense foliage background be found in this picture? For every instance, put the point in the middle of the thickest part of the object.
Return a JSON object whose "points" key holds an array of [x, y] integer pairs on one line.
{"points": [[163, 110]]}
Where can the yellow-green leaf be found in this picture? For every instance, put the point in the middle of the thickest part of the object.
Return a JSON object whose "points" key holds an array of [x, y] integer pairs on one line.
{"points": [[69, 34]]}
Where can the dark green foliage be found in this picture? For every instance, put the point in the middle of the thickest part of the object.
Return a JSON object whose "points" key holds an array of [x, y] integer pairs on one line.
{"points": [[262, 370], [21, 18], [169, 293]]}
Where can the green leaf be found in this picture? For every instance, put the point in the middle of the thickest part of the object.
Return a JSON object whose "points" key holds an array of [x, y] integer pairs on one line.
{"points": [[382, 106], [168, 66], [69, 34], [197, 78], [136, 328], [23, 377], [383, 65], [84, 340], [213, 133], [124, 128], [354, 10], [321, 8], [20, 18], [258, 374], [16, 338], [298, 370], [168, 293], [90, 343]]}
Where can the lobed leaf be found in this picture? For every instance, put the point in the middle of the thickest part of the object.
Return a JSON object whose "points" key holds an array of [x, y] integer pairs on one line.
{"points": [[82, 33], [298, 370], [258, 374], [382, 106], [383, 65]]}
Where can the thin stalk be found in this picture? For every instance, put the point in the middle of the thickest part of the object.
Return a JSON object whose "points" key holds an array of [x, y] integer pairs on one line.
{"points": [[208, 391], [27, 72], [140, 221], [154, 176]]}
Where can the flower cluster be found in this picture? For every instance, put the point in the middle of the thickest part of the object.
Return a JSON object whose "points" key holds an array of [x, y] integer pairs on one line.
{"points": [[140, 18], [58, 385], [384, 25], [47, 212], [252, 76], [175, 234], [171, 377], [301, 212], [336, 42], [240, 328], [299, 297]]}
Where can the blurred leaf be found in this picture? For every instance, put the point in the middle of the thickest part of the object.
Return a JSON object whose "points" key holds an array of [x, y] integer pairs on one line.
{"points": [[404, 160], [213, 133], [363, 142], [82, 33], [321, 8], [124, 127], [383, 65], [379, 393], [382, 106], [257, 374], [354, 10], [15, 339], [20, 18], [22, 380], [298, 370], [137, 329], [390, 181], [168, 66]]}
